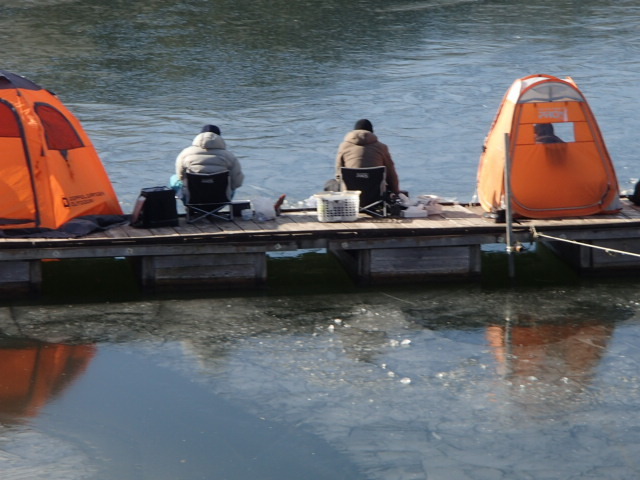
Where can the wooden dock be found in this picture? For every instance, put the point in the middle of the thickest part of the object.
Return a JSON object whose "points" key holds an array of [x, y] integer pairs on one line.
{"points": [[389, 250]]}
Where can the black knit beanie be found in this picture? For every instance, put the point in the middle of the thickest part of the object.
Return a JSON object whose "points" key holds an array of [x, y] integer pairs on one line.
{"points": [[210, 128], [363, 124]]}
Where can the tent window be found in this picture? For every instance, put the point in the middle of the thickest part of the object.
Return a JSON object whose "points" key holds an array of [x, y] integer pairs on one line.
{"points": [[551, 92], [58, 131], [8, 124], [565, 131], [554, 132]]}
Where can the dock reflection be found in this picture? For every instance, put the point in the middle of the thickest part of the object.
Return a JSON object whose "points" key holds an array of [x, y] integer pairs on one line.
{"points": [[32, 373]]}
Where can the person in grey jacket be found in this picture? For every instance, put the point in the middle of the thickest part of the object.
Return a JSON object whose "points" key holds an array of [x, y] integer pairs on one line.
{"points": [[207, 154], [361, 149]]}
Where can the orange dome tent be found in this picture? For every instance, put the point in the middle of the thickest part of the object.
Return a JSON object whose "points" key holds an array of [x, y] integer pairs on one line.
{"points": [[50, 172], [566, 173]]}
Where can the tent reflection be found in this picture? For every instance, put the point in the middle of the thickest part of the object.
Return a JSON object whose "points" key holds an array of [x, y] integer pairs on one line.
{"points": [[548, 361], [32, 373]]}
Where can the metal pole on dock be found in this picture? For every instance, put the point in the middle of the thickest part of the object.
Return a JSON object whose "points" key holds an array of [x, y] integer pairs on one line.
{"points": [[508, 214]]}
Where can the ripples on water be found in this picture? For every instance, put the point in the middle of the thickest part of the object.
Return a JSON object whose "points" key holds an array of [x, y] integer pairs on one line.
{"points": [[285, 84]]}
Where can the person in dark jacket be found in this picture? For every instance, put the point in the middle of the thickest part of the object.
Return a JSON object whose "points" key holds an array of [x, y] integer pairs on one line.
{"points": [[545, 134], [362, 149]]}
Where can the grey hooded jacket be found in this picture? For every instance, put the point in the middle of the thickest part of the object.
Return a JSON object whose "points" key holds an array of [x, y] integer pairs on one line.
{"points": [[208, 154]]}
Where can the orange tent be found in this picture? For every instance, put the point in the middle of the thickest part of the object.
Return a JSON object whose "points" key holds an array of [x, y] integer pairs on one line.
{"points": [[560, 165], [51, 172]]}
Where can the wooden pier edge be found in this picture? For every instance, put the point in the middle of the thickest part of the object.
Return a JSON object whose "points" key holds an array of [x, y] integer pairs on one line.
{"points": [[221, 255]]}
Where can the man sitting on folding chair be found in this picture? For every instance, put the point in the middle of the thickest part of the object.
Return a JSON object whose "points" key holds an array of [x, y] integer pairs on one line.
{"points": [[207, 195], [207, 154], [362, 149]]}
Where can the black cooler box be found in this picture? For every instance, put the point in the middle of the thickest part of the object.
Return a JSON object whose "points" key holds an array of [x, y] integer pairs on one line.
{"points": [[155, 207]]}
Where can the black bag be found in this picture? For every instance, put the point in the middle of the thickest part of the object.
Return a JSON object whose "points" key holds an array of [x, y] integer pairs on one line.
{"points": [[635, 198], [154, 208]]}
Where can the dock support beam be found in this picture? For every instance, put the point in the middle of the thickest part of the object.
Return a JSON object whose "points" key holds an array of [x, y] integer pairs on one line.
{"points": [[202, 272], [373, 266], [20, 277]]}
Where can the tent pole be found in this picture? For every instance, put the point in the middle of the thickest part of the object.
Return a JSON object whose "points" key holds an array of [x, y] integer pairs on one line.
{"points": [[508, 214]]}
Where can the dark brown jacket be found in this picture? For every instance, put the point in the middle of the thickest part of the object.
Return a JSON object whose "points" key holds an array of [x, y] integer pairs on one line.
{"points": [[361, 149]]}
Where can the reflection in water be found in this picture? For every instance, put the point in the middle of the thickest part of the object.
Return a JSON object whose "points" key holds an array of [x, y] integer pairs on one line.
{"points": [[406, 384], [32, 373], [548, 364]]}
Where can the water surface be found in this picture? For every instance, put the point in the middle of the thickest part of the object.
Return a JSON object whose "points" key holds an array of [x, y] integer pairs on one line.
{"points": [[313, 378], [388, 384]]}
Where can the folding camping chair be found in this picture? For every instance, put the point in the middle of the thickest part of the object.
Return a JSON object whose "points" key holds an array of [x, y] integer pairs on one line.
{"points": [[372, 184], [207, 194]]}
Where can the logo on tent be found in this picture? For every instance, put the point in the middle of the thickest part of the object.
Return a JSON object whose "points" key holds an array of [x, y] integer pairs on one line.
{"points": [[82, 199], [555, 113]]}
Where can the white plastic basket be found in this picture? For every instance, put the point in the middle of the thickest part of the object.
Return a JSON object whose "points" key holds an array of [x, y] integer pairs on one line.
{"points": [[338, 206]]}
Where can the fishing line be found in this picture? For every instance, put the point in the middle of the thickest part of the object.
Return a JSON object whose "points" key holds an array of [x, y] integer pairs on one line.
{"points": [[610, 251]]}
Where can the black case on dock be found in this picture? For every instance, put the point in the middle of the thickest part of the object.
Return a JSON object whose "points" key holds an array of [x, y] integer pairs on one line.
{"points": [[154, 208]]}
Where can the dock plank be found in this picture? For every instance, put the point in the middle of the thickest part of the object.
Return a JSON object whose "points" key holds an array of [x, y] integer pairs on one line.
{"points": [[454, 220]]}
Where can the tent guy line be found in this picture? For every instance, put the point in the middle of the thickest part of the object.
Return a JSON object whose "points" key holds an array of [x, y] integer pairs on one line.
{"points": [[610, 251]]}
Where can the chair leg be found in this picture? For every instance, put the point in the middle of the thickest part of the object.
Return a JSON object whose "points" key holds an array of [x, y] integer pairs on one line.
{"points": [[195, 214], [373, 211]]}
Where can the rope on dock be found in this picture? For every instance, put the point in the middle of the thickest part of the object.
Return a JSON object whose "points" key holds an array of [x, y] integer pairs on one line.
{"points": [[610, 251]]}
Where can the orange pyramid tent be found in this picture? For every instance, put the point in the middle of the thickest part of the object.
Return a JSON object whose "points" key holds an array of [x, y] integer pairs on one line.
{"points": [[565, 171], [50, 171]]}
